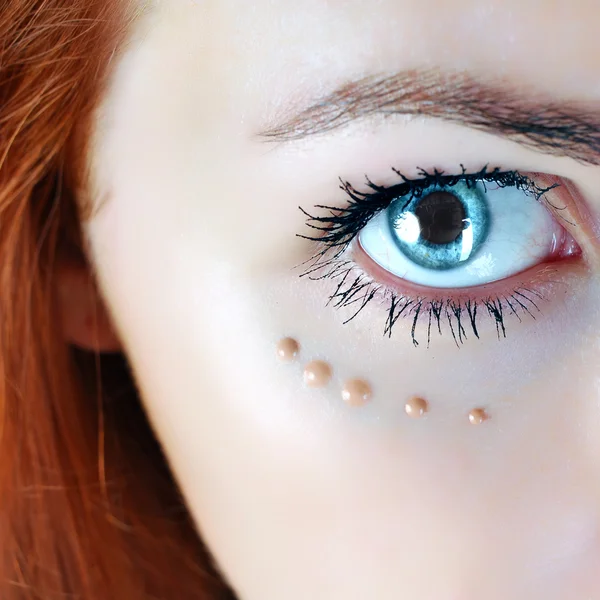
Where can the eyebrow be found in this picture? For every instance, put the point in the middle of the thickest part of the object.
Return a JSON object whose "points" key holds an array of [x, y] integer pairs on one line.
{"points": [[530, 118]]}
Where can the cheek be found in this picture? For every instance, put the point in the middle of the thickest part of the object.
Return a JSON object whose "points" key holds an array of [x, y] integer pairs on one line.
{"points": [[265, 459]]}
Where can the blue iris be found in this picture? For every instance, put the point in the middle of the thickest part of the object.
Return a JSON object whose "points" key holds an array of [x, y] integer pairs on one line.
{"points": [[443, 227]]}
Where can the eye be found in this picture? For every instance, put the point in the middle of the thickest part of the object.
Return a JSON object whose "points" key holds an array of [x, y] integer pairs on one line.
{"points": [[442, 250], [462, 236]]}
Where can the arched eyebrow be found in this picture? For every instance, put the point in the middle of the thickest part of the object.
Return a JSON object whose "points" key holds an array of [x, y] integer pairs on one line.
{"points": [[523, 115]]}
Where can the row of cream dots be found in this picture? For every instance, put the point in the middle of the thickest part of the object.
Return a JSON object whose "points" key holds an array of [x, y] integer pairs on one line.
{"points": [[356, 392]]}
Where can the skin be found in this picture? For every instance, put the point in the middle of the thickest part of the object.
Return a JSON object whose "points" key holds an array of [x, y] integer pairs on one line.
{"points": [[298, 495]]}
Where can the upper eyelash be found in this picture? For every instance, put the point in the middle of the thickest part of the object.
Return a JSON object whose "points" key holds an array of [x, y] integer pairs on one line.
{"points": [[342, 224], [336, 230]]}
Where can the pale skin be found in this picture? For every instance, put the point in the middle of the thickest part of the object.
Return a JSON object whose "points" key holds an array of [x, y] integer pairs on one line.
{"points": [[296, 494]]}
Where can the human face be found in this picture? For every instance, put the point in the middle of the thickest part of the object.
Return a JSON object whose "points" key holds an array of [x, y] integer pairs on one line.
{"points": [[298, 493]]}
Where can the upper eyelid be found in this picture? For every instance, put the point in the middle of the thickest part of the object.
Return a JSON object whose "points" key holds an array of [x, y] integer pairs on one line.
{"points": [[539, 122]]}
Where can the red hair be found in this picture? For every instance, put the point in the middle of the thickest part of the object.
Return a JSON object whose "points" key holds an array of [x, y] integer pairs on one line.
{"points": [[88, 507]]}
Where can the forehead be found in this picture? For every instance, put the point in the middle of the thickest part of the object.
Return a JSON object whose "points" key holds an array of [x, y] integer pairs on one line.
{"points": [[521, 36], [257, 58]]}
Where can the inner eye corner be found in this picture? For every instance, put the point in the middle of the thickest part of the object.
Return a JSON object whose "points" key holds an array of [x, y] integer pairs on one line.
{"points": [[567, 205]]}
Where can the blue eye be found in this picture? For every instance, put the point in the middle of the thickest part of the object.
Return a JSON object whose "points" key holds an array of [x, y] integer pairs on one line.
{"points": [[449, 235], [461, 236], [441, 229]]}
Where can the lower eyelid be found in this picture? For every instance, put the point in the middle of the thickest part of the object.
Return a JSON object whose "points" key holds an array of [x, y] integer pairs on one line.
{"points": [[461, 313], [537, 278]]}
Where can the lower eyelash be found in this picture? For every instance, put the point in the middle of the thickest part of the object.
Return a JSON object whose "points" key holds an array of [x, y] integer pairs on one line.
{"points": [[356, 288]]}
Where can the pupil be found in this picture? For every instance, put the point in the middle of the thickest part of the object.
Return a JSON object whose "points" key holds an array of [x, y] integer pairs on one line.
{"points": [[441, 216]]}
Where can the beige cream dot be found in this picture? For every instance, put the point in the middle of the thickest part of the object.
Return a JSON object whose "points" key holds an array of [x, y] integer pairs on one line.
{"points": [[477, 416], [287, 350], [356, 392], [317, 373], [416, 407]]}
